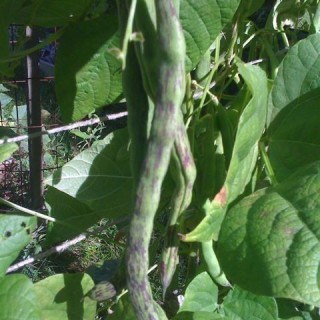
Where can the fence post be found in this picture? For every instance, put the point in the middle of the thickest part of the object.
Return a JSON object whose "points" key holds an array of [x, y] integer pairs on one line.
{"points": [[34, 121]]}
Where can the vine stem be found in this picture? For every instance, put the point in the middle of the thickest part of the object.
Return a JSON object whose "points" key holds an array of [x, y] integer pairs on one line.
{"points": [[128, 33], [28, 211], [267, 163], [63, 246], [67, 127]]}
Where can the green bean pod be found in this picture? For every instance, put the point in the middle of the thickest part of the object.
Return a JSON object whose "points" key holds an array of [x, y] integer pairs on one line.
{"points": [[169, 96], [213, 264], [147, 50], [203, 68], [137, 100], [183, 173]]}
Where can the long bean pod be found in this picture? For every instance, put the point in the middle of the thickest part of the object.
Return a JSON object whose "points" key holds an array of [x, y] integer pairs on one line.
{"points": [[147, 50], [183, 173], [136, 98], [169, 96]]}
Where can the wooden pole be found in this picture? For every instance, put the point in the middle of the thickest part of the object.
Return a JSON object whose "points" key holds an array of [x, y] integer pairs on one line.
{"points": [[34, 121]]}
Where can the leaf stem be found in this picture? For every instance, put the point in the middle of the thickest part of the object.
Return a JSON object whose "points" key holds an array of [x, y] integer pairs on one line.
{"points": [[267, 163], [128, 33], [25, 210]]}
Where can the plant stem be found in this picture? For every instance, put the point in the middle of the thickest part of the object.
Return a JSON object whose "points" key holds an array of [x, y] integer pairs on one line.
{"points": [[268, 165]]}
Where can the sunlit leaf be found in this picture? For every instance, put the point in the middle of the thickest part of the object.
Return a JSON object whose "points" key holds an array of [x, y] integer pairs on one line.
{"points": [[62, 296], [269, 242]]}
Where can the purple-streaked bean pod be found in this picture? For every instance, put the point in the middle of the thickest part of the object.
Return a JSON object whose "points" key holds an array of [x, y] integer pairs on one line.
{"points": [[169, 94]]}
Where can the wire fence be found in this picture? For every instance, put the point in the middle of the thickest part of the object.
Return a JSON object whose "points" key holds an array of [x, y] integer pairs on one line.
{"points": [[44, 143]]}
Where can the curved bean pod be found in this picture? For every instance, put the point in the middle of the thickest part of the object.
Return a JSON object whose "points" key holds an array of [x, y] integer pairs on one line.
{"points": [[213, 264]]}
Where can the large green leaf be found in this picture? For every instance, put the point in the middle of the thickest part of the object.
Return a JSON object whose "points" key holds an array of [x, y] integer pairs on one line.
{"points": [[15, 234], [62, 296], [298, 74], [100, 176], [244, 305], [201, 295], [72, 216], [18, 300], [244, 156], [269, 242], [48, 13], [294, 135], [87, 75], [202, 21]]}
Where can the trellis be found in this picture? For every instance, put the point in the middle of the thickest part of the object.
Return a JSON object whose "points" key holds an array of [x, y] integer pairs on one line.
{"points": [[21, 176]]}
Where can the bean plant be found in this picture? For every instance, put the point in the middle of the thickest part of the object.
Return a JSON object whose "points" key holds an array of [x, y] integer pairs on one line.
{"points": [[214, 183]]}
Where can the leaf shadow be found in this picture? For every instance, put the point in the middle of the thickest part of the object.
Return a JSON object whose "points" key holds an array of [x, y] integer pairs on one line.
{"points": [[72, 294]]}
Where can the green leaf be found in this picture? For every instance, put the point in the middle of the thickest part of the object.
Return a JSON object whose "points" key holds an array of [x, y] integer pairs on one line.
{"points": [[294, 135], [251, 125], [9, 10], [244, 305], [4, 98], [20, 115], [244, 156], [201, 295], [100, 176], [87, 75], [6, 150], [47, 13], [289, 309], [18, 300], [248, 7], [269, 241], [198, 316], [124, 310], [62, 297], [202, 21], [6, 132], [72, 216], [15, 234], [298, 74]]}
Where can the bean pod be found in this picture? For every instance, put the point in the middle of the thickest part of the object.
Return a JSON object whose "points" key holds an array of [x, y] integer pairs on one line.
{"points": [[170, 92]]}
